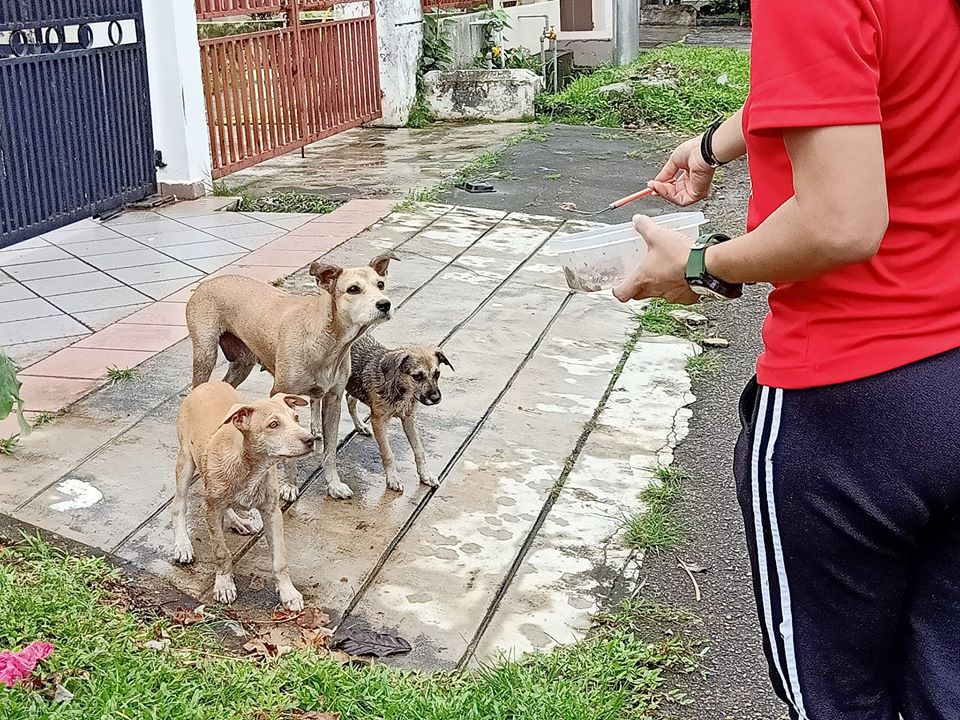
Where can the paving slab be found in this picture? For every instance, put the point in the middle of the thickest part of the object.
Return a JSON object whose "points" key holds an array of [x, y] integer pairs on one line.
{"points": [[578, 556]]}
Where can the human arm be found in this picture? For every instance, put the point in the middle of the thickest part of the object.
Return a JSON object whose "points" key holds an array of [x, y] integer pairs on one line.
{"points": [[686, 176], [837, 217]]}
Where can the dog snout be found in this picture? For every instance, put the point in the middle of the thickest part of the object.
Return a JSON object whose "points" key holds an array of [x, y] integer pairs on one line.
{"points": [[309, 440], [384, 305], [431, 398]]}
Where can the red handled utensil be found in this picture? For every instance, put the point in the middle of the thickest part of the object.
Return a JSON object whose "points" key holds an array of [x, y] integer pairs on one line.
{"points": [[569, 207]]}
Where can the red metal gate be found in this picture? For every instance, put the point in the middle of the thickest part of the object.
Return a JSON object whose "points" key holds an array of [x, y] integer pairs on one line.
{"points": [[274, 91]]}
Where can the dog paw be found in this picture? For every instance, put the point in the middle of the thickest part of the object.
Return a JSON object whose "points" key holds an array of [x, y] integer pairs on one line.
{"points": [[339, 490], [291, 598], [364, 429], [429, 480], [183, 553], [224, 591], [246, 523], [394, 484], [288, 492]]}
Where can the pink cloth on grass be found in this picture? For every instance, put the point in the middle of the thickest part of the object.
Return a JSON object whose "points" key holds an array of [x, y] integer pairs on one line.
{"points": [[18, 665]]}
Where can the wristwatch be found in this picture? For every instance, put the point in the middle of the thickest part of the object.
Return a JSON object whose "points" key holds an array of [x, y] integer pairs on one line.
{"points": [[701, 281]]}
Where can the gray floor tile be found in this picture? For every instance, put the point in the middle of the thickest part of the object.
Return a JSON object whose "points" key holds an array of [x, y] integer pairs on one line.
{"points": [[92, 248], [132, 259], [98, 299], [36, 242], [170, 270], [18, 255], [99, 319], [157, 226], [26, 310], [93, 280], [216, 220], [71, 234], [24, 331], [212, 264], [131, 217], [246, 230], [159, 290], [172, 239], [24, 354], [53, 268], [12, 290], [213, 248]]}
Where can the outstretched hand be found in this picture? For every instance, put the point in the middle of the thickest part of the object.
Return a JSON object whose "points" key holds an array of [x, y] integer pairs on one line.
{"points": [[662, 272]]}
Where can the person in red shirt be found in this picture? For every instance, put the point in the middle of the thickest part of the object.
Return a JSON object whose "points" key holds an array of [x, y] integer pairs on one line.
{"points": [[848, 465]]}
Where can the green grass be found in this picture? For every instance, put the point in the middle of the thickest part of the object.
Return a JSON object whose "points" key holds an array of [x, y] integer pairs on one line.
{"points": [[46, 595], [45, 418], [655, 318], [658, 527], [479, 167], [675, 87], [420, 115], [553, 176], [703, 364], [281, 202], [121, 374]]}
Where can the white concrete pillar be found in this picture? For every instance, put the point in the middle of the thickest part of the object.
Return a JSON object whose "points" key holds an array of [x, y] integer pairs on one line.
{"points": [[176, 97], [399, 34]]}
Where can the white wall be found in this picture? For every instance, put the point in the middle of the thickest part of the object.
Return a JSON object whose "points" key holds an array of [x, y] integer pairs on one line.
{"points": [[526, 32], [399, 34], [176, 96]]}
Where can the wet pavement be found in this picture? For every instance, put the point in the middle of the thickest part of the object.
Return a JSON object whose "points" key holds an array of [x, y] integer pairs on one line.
{"points": [[495, 561], [376, 162]]}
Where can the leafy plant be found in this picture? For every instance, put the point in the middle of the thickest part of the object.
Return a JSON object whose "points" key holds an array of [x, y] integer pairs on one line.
{"points": [[285, 202], [121, 374], [10, 400]]}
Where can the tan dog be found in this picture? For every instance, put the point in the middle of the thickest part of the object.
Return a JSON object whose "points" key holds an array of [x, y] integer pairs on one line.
{"points": [[303, 340], [235, 446], [391, 383]]}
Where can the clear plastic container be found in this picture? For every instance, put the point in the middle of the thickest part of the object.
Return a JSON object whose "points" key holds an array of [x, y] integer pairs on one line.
{"points": [[600, 258]]}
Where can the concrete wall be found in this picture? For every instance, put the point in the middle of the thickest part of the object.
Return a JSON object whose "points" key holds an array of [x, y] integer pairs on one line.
{"points": [[176, 97], [399, 35], [466, 40], [481, 94]]}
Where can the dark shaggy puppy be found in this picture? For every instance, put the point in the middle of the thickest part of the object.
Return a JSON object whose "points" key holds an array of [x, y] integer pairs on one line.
{"points": [[391, 383]]}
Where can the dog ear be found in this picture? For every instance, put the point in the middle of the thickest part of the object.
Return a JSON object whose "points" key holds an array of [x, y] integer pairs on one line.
{"points": [[391, 365], [291, 401], [240, 416], [326, 275], [442, 359], [381, 263]]}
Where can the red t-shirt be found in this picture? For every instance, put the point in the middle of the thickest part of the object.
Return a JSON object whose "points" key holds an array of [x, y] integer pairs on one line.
{"points": [[822, 63]]}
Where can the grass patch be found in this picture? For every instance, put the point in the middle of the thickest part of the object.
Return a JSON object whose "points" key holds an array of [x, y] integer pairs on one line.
{"points": [[553, 176], [677, 87], [420, 115], [45, 418], [657, 527], [8, 446], [655, 318], [281, 202], [477, 168], [121, 374], [100, 657], [703, 363]]}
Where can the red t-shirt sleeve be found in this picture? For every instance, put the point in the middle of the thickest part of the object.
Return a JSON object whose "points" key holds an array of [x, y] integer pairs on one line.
{"points": [[814, 63]]}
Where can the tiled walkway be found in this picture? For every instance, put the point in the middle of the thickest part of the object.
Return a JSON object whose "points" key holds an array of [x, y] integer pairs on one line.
{"points": [[93, 295], [493, 560]]}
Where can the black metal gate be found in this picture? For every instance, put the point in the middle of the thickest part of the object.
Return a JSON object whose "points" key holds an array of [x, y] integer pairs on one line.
{"points": [[75, 128]]}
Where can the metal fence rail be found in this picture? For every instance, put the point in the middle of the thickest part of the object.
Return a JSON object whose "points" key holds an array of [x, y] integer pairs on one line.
{"points": [[75, 128], [274, 91]]}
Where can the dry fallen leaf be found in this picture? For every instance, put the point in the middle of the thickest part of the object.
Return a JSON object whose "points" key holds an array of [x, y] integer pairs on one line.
{"points": [[313, 618], [280, 616], [568, 206], [158, 645], [190, 617], [359, 641]]}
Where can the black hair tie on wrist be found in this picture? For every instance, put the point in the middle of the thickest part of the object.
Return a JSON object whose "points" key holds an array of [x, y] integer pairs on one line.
{"points": [[706, 144]]}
